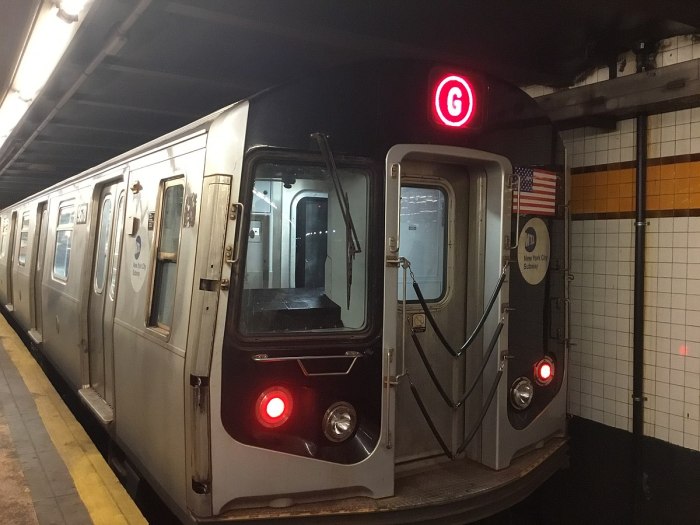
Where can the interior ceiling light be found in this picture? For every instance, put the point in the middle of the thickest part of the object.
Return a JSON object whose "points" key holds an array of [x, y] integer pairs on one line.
{"points": [[52, 32]]}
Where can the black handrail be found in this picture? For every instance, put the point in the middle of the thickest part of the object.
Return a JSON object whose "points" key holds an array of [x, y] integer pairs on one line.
{"points": [[436, 381], [472, 432], [479, 325]]}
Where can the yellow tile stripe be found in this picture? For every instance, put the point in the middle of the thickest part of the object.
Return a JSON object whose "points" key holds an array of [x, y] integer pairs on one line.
{"points": [[669, 187], [104, 497]]}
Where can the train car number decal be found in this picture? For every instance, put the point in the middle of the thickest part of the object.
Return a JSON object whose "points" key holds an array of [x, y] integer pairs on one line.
{"points": [[533, 251]]}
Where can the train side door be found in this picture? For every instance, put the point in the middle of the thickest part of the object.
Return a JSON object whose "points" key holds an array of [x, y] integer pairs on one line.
{"points": [[10, 261], [38, 271], [101, 302]]}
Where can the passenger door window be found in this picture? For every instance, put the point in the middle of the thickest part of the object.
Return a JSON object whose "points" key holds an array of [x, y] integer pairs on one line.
{"points": [[102, 249], [64, 238], [23, 240]]}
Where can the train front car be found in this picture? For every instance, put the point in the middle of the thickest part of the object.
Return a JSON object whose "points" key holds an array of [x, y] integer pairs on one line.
{"points": [[396, 308]]}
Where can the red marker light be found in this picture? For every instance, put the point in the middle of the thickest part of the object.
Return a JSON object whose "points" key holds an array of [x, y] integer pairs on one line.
{"points": [[453, 104], [544, 371], [274, 406]]}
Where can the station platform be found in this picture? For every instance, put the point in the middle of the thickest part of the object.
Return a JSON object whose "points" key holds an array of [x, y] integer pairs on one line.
{"points": [[50, 471]]}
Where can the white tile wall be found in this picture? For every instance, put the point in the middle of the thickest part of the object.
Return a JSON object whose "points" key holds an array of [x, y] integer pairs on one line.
{"points": [[602, 254], [600, 386], [670, 134], [592, 146]]}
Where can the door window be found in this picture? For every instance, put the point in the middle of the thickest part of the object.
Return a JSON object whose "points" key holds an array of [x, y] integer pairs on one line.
{"points": [[23, 240], [423, 240], [117, 247], [64, 238], [102, 246]]}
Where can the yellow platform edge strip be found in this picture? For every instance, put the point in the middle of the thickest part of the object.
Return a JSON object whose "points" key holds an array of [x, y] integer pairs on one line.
{"points": [[104, 497]]}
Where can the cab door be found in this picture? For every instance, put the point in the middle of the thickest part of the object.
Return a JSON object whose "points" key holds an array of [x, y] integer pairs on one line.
{"points": [[440, 203]]}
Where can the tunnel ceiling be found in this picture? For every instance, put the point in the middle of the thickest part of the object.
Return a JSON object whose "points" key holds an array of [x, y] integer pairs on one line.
{"points": [[140, 68]]}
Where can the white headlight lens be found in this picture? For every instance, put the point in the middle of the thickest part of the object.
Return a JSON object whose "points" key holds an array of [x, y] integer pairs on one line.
{"points": [[339, 422], [521, 393]]}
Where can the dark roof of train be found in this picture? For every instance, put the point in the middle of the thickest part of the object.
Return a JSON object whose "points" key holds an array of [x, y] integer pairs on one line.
{"points": [[141, 68]]}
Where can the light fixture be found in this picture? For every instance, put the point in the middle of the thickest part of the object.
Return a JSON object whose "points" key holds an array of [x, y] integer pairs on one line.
{"points": [[544, 371], [274, 406], [339, 421], [69, 10], [11, 111], [52, 32], [521, 393]]}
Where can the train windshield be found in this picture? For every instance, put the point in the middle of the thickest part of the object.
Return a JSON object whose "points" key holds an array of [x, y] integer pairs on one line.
{"points": [[302, 269]]}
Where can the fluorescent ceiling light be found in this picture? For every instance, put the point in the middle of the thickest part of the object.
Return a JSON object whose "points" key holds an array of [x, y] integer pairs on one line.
{"points": [[47, 42], [12, 110], [45, 48], [71, 8]]}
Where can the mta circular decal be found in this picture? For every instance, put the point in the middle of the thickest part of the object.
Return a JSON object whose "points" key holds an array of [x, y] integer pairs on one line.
{"points": [[137, 250], [454, 101], [530, 239], [533, 251]]}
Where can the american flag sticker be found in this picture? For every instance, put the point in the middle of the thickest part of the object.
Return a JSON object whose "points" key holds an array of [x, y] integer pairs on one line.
{"points": [[537, 192]]}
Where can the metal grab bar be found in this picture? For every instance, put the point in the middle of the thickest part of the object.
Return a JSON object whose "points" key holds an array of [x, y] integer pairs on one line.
{"points": [[236, 251], [351, 354], [516, 182]]}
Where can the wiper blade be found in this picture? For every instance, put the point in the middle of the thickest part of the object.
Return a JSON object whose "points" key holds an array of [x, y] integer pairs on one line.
{"points": [[352, 241]]}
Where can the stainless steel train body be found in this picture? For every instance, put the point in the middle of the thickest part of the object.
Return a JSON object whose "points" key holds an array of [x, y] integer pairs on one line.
{"points": [[265, 254]]}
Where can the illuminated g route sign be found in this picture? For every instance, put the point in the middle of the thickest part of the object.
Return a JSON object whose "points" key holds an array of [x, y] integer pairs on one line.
{"points": [[453, 101]]}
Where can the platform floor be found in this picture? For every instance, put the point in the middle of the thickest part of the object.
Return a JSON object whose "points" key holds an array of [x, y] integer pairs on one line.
{"points": [[50, 471]]}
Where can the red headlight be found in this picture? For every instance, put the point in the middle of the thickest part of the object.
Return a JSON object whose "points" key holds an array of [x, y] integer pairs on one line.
{"points": [[274, 406], [544, 371]]}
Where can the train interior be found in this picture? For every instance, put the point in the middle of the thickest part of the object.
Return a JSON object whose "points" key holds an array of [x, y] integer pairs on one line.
{"points": [[301, 273]]}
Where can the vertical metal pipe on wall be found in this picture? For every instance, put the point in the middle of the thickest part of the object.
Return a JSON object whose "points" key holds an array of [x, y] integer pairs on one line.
{"points": [[638, 333]]}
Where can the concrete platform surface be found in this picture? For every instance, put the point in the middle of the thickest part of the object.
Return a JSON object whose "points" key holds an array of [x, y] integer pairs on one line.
{"points": [[50, 471]]}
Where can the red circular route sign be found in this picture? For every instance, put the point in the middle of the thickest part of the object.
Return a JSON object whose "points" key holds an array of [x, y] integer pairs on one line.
{"points": [[454, 101]]}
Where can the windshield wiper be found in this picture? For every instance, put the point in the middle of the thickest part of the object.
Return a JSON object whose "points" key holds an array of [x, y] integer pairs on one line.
{"points": [[352, 243]]}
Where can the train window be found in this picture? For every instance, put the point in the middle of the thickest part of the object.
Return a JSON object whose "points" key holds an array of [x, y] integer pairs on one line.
{"points": [[23, 240], [163, 299], [64, 237], [300, 270], [423, 235], [117, 247], [102, 247]]}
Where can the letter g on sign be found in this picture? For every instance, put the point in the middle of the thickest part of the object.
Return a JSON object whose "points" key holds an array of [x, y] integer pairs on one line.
{"points": [[454, 104], [454, 101]]}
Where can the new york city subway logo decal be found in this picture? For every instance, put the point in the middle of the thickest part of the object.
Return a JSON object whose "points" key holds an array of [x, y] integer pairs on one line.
{"points": [[453, 101], [533, 251]]}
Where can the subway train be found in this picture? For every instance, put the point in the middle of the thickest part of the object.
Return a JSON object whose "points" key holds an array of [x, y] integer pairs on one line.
{"points": [[304, 301]]}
